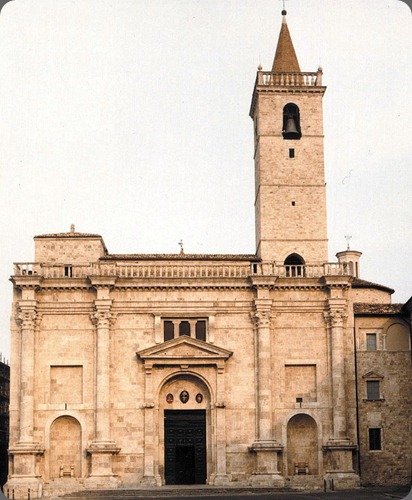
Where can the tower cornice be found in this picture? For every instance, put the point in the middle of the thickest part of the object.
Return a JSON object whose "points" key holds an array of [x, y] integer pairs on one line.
{"points": [[286, 83]]}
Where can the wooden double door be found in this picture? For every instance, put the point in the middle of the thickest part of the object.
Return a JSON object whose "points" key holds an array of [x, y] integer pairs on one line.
{"points": [[185, 446]]}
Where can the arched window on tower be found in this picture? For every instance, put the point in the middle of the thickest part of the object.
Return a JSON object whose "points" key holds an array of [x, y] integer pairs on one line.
{"points": [[291, 122], [295, 266]]}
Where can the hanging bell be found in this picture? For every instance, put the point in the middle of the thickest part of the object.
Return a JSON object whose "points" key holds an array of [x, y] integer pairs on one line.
{"points": [[291, 131]]}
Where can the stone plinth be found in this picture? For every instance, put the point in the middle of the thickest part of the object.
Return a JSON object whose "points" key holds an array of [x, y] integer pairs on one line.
{"points": [[266, 472]]}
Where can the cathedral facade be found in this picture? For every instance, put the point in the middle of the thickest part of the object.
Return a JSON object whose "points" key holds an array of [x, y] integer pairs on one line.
{"points": [[277, 369]]}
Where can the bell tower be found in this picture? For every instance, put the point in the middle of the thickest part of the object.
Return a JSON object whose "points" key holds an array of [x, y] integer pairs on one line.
{"points": [[290, 192]]}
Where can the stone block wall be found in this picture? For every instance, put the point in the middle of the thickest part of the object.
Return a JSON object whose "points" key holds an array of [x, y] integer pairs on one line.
{"points": [[391, 366], [69, 249]]}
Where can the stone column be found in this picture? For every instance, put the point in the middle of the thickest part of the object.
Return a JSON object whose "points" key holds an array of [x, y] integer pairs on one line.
{"points": [[26, 319], [24, 474], [220, 477], [150, 476], [338, 450], [102, 448], [265, 446], [336, 319]]}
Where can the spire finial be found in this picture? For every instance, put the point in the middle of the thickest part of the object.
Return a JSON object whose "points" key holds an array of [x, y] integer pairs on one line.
{"points": [[285, 60], [181, 247], [348, 237]]}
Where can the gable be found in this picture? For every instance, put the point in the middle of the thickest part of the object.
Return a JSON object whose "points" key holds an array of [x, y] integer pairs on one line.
{"points": [[184, 350], [372, 375]]}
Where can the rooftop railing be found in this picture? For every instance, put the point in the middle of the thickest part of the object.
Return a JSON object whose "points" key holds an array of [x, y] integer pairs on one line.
{"points": [[266, 78], [182, 269]]}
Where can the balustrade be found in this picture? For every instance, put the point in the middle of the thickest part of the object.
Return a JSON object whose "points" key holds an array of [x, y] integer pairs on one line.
{"points": [[267, 78], [181, 270]]}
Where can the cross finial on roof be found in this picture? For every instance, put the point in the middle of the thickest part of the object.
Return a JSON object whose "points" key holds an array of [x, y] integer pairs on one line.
{"points": [[284, 8], [348, 237], [181, 247]]}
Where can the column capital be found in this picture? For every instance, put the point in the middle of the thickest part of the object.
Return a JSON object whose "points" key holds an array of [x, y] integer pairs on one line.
{"points": [[336, 317], [103, 319], [26, 317], [262, 317]]}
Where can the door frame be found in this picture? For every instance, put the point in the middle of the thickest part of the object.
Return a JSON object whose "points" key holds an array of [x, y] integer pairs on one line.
{"points": [[200, 419]]}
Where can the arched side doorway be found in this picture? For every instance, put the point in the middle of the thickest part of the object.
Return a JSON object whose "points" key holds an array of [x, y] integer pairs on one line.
{"points": [[184, 430], [65, 448], [302, 445]]}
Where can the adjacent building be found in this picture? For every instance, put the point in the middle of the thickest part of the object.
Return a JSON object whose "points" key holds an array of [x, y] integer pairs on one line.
{"points": [[278, 368], [4, 418]]}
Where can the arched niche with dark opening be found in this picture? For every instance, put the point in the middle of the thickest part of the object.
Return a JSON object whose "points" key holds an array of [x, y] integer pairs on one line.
{"points": [[291, 122], [295, 265]]}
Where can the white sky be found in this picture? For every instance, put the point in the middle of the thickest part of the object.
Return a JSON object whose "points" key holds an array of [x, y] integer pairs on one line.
{"points": [[129, 118]]}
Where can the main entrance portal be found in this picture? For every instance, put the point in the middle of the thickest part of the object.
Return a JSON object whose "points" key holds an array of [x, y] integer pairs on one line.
{"points": [[185, 446]]}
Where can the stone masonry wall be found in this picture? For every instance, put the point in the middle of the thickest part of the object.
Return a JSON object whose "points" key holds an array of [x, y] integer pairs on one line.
{"points": [[392, 463]]}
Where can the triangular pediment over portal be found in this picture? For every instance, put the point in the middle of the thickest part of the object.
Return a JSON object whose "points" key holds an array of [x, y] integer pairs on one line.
{"points": [[184, 350], [372, 375]]}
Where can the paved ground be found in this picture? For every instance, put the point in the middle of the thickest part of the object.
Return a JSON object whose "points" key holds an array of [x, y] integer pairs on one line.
{"points": [[211, 493]]}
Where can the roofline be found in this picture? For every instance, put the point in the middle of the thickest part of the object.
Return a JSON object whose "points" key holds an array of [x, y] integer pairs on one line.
{"points": [[407, 307], [179, 257], [68, 236], [368, 284], [397, 309]]}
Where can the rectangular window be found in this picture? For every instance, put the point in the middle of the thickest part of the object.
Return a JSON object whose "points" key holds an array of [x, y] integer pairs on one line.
{"points": [[375, 439], [189, 327], [372, 389], [371, 342], [184, 328], [169, 330], [201, 330], [291, 153]]}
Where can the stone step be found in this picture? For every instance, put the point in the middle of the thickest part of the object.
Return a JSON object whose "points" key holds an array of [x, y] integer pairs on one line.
{"points": [[180, 491]]}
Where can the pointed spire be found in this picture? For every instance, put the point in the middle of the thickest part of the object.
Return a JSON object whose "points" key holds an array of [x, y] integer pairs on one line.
{"points": [[285, 58]]}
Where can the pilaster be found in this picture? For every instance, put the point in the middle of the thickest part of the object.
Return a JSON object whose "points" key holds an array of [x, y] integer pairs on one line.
{"points": [[150, 475], [102, 448], [265, 446], [220, 478], [339, 448], [25, 453]]}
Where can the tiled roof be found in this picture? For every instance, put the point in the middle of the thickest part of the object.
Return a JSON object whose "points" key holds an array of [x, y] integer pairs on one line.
{"points": [[179, 256], [377, 309], [358, 283], [285, 60], [69, 235]]}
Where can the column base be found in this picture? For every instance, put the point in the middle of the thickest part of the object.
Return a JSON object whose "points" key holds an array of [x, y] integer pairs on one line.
{"points": [[266, 472], [24, 472], [219, 480], [101, 454], [339, 465], [262, 479], [18, 488], [151, 481], [103, 482], [341, 480]]}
